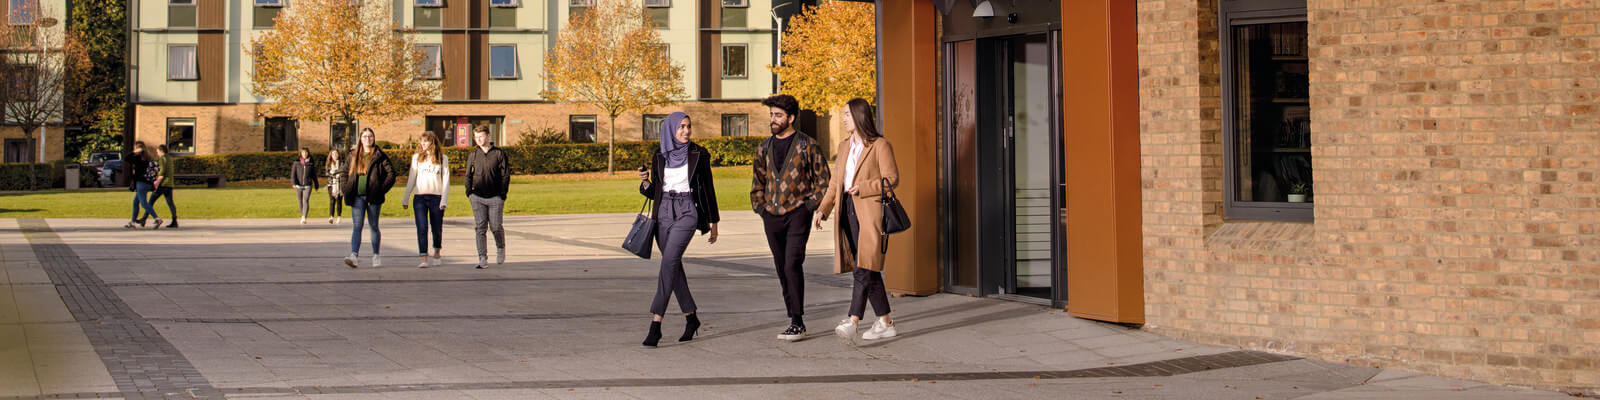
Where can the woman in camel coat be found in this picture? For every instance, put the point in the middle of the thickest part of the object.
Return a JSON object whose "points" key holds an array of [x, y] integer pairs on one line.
{"points": [[865, 163]]}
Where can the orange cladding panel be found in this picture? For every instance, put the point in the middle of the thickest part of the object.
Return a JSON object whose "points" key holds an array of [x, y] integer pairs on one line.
{"points": [[909, 44], [1104, 260]]}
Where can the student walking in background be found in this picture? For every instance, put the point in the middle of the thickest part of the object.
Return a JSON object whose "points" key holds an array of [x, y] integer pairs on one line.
{"points": [[679, 180], [790, 176], [370, 176], [488, 181], [864, 172], [139, 181], [303, 176], [163, 187], [428, 185], [335, 196]]}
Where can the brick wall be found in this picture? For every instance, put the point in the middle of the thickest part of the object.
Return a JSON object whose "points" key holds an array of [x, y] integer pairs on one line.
{"points": [[1455, 158], [236, 128]]}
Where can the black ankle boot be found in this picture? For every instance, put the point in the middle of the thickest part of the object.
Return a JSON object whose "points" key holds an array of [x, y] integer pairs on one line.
{"points": [[690, 328], [654, 336]]}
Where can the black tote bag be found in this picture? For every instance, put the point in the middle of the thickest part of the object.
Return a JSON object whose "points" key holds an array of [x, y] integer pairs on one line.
{"points": [[895, 219], [643, 235]]}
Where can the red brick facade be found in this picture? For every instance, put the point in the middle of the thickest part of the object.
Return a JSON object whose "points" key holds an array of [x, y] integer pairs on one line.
{"points": [[1454, 149]]}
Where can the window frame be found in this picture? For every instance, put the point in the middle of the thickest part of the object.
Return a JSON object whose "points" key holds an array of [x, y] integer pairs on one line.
{"points": [[644, 123], [514, 4], [22, 80], [745, 125], [591, 119], [194, 50], [658, 5], [1231, 14], [438, 60], [194, 127], [30, 9], [516, 60], [580, 3], [745, 62], [436, 4], [274, 4], [737, 4]]}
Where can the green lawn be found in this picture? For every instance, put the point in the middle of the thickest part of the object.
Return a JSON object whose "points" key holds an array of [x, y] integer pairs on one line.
{"points": [[542, 194]]}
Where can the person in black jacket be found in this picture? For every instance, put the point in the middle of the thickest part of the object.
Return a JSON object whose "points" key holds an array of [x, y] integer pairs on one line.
{"points": [[137, 168], [488, 180], [369, 178], [303, 177], [679, 180]]}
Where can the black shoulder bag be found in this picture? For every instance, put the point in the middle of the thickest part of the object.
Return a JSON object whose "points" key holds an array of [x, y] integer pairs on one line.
{"points": [[639, 239], [895, 219]]}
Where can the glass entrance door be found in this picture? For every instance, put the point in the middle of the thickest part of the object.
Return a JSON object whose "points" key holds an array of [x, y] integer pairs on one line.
{"points": [[1035, 165]]}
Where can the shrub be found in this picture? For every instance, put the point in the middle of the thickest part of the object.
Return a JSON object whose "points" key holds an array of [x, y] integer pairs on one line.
{"points": [[542, 135], [14, 176], [525, 160]]}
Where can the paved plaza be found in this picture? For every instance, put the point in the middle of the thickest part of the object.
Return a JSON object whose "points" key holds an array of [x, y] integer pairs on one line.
{"points": [[247, 309]]}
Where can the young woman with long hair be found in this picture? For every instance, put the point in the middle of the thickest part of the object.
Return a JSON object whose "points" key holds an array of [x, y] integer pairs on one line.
{"points": [[428, 185], [370, 175], [335, 196], [865, 172], [141, 182], [303, 177]]}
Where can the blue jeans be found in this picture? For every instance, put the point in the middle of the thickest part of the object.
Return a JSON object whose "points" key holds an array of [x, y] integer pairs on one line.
{"points": [[141, 198], [425, 207], [371, 211]]}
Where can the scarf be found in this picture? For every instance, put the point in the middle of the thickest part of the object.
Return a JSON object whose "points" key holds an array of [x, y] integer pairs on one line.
{"points": [[677, 154]]}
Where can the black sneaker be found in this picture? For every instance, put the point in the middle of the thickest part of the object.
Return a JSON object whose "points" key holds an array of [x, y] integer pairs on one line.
{"points": [[794, 333], [173, 225]]}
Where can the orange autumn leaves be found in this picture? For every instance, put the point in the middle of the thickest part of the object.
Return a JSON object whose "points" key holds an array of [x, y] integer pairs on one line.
{"points": [[829, 55]]}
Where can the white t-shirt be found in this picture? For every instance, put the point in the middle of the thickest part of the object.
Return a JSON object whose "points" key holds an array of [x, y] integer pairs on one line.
{"points": [[676, 179], [850, 165]]}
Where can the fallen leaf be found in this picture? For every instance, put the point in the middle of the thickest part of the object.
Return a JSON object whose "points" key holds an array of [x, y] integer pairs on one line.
{"points": [[1116, 392], [258, 357]]}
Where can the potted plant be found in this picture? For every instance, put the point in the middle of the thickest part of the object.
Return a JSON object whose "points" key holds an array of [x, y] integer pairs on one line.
{"points": [[1297, 193]]}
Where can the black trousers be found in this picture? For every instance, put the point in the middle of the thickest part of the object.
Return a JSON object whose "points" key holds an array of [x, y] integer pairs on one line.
{"points": [[786, 236], [869, 284], [675, 220]]}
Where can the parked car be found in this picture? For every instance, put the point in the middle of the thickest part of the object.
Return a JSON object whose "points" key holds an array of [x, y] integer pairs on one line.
{"points": [[98, 159], [109, 171]]}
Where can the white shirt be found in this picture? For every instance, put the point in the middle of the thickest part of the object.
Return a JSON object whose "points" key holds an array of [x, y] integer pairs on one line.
{"points": [[429, 178], [676, 179], [850, 165]]}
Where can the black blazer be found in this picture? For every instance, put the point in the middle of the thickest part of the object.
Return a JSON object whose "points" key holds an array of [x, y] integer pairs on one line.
{"points": [[704, 191], [303, 174], [380, 178]]}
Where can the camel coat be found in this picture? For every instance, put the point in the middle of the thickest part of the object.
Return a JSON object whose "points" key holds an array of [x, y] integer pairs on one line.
{"points": [[876, 163]]}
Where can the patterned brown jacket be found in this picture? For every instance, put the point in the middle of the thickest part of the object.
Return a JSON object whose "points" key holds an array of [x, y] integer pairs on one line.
{"points": [[800, 182]]}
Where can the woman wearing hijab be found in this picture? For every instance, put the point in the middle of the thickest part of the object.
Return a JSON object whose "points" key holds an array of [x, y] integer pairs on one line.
{"points": [[679, 180], [866, 170]]}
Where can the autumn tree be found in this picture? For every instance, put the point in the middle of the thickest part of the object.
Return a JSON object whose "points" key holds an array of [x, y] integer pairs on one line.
{"points": [[340, 60], [36, 59], [612, 58], [98, 96], [829, 55]]}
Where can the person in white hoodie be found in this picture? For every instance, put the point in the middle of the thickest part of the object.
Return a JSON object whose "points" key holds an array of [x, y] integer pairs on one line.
{"points": [[428, 186]]}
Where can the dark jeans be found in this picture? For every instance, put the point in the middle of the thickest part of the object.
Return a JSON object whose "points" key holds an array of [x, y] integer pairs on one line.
{"points": [[786, 236], [370, 211], [166, 192], [335, 203], [675, 220], [869, 284], [141, 198], [425, 207]]}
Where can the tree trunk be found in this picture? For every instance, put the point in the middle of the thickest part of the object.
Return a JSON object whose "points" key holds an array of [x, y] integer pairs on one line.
{"points": [[33, 164], [611, 148]]}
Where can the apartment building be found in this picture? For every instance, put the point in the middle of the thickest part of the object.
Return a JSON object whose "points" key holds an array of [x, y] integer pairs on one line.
{"points": [[191, 77], [25, 19]]}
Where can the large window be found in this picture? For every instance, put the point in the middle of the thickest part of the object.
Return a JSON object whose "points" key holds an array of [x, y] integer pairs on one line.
{"points": [[503, 17], [180, 14], [281, 134], [180, 135], [265, 17], [22, 85], [427, 16], [581, 128], [660, 17], [503, 62], [1266, 111], [342, 135], [733, 60], [181, 64], [457, 130], [735, 125], [652, 126], [735, 13], [430, 62]]}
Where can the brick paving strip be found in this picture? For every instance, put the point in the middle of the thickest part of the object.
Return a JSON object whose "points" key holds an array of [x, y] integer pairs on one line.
{"points": [[1152, 369], [139, 359]]}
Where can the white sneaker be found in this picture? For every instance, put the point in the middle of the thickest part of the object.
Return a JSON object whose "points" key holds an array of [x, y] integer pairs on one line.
{"points": [[437, 261], [337, 220], [425, 264], [879, 330], [350, 260], [377, 260], [847, 331], [330, 220], [500, 258], [302, 220], [483, 262]]}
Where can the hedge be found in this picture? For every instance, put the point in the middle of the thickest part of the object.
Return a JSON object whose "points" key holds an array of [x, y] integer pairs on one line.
{"points": [[14, 176], [524, 160]]}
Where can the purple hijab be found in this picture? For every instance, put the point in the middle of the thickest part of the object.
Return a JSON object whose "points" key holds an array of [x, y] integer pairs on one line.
{"points": [[677, 154]]}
